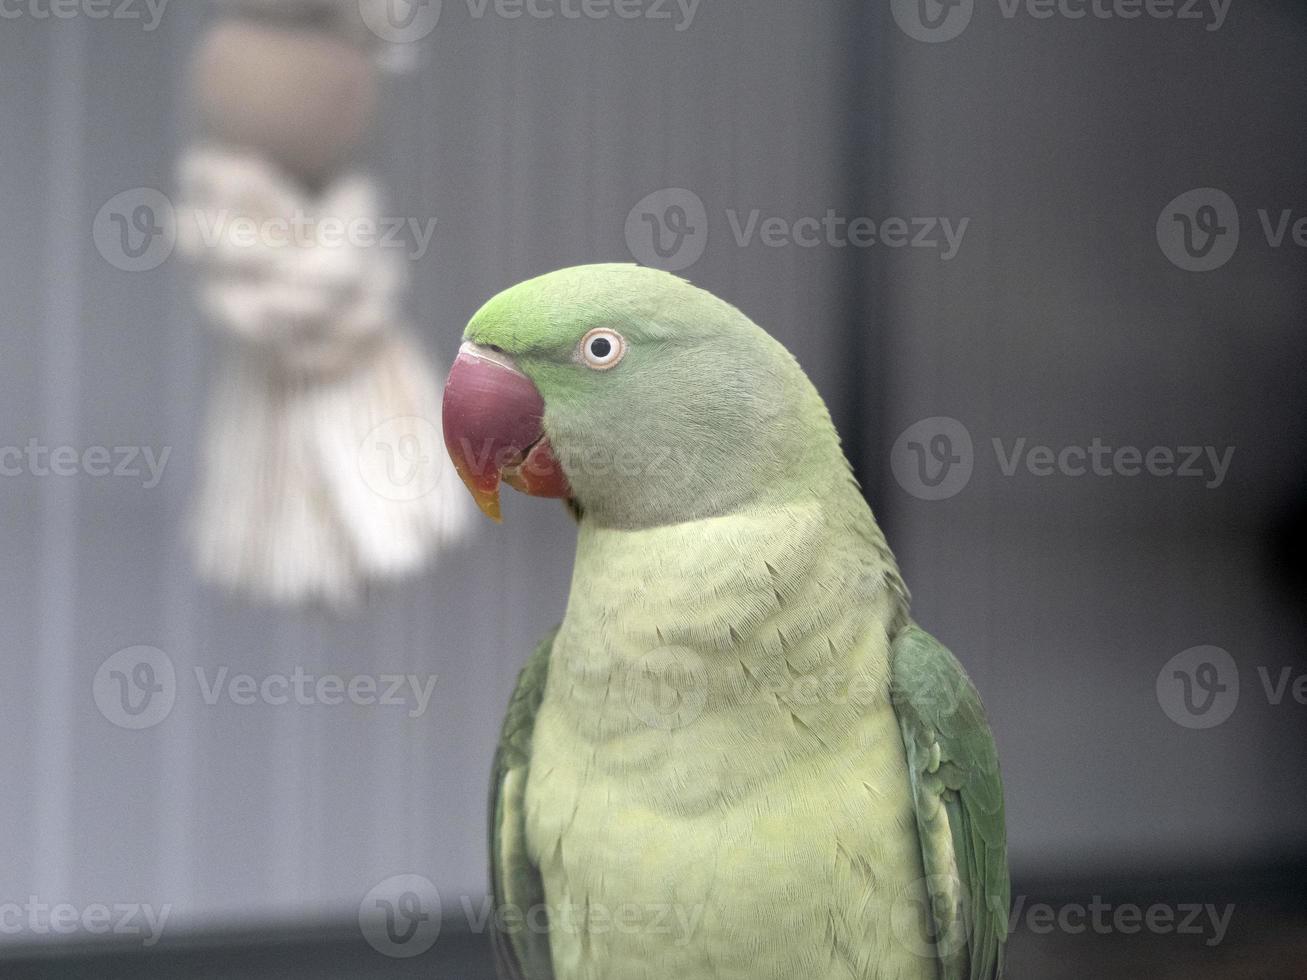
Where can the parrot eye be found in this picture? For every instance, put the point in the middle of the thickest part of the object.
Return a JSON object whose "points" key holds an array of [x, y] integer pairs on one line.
{"points": [[602, 348]]}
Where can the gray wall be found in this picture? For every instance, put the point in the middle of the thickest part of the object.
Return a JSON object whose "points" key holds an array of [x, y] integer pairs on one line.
{"points": [[1059, 320]]}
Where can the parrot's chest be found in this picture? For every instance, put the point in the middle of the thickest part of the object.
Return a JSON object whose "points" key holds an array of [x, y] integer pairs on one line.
{"points": [[683, 850], [718, 786]]}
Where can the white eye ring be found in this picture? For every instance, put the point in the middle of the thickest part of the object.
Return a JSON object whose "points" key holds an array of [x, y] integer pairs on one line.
{"points": [[611, 348]]}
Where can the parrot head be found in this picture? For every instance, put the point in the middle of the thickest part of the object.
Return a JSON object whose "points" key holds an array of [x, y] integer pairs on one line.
{"points": [[638, 396]]}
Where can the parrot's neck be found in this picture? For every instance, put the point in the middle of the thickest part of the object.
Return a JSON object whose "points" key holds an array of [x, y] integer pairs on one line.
{"points": [[748, 626]]}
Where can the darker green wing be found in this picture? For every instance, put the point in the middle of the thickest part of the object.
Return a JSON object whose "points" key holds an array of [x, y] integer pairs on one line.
{"points": [[959, 801], [521, 945]]}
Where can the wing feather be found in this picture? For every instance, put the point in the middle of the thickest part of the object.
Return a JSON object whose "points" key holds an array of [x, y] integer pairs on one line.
{"points": [[958, 794], [521, 946]]}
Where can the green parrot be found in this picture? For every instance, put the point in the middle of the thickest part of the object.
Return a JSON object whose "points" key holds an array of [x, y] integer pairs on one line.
{"points": [[737, 756]]}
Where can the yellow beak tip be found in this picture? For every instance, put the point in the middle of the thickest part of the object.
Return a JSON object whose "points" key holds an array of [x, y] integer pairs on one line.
{"points": [[488, 502]]}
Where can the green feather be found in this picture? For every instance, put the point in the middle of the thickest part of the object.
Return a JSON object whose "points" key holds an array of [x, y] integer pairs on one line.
{"points": [[952, 761], [521, 953]]}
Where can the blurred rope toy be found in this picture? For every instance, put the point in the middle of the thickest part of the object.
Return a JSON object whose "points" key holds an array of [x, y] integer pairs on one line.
{"points": [[323, 469]]}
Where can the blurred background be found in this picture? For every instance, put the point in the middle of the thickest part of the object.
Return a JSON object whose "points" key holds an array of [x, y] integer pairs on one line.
{"points": [[971, 222]]}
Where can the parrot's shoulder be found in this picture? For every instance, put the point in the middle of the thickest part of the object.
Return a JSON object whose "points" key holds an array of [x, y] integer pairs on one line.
{"points": [[928, 682]]}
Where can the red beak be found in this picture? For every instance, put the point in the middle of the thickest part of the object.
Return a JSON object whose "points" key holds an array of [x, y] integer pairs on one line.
{"points": [[493, 421]]}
